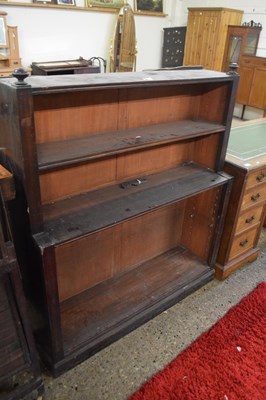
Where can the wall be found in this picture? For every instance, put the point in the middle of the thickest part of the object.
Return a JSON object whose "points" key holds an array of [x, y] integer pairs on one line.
{"points": [[58, 34], [54, 34]]}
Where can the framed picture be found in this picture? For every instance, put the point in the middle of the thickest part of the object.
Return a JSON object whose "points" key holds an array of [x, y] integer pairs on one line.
{"points": [[44, 1], [154, 6], [66, 2], [105, 3]]}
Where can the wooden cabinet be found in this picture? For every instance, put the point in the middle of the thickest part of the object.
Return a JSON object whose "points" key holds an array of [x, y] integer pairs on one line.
{"points": [[173, 46], [252, 85], [246, 162], [124, 194], [19, 367], [241, 40], [206, 35]]}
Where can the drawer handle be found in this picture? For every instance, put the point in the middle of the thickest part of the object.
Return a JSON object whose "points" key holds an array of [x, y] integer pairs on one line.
{"points": [[249, 220], [260, 177], [243, 243], [255, 197]]}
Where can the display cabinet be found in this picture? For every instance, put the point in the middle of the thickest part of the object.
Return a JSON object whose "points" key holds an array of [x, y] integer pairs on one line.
{"points": [[121, 197], [173, 46], [241, 40]]}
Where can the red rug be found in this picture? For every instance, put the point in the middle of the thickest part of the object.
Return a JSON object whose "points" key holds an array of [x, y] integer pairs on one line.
{"points": [[226, 363]]}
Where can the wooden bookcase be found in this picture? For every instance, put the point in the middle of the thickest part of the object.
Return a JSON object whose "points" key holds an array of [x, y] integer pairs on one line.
{"points": [[124, 197]]}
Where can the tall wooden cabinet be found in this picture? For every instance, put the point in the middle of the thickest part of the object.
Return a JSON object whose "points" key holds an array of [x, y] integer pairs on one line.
{"points": [[124, 197], [206, 35]]}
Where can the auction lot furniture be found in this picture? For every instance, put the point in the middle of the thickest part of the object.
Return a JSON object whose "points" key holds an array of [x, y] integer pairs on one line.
{"points": [[66, 67], [246, 162], [252, 84], [173, 46], [207, 34], [124, 195], [19, 367]]}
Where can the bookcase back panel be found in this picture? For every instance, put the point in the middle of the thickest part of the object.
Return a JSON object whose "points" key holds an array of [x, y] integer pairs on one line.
{"points": [[78, 179], [87, 261], [61, 116], [206, 150], [146, 106], [148, 161], [212, 102]]}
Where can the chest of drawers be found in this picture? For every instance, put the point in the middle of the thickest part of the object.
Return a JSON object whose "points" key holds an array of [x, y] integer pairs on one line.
{"points": [[246, 162]]}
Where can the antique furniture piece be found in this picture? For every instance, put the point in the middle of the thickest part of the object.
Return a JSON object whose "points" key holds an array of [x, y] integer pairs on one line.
{"points": [[246, 162], [206, 35], [241, 40], [19, 368], [124, 194], [252, 84], [241, 48], [66, 67], [173, 46], [9, 51], [123, 46]]}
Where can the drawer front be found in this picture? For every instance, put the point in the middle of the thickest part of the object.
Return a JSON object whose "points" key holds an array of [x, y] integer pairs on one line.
{"points": [[249, 218], [259, 176], [243, 243], [256, 195]]}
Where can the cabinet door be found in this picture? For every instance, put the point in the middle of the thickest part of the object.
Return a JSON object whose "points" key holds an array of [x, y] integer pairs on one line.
{"points": [[245, 82], [201, 39], [258, 89]]}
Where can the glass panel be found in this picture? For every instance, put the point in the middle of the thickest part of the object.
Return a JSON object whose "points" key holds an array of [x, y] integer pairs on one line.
{"points": [[234, 48], [251, 43]]}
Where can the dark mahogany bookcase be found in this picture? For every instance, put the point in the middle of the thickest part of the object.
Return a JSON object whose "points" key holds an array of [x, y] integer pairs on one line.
{"points": [[121, 197]]}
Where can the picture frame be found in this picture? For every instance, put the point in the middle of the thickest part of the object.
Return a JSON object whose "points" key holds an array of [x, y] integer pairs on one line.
{"points": [[66, 2], [149, 6], [105, 3], [44, 1]]}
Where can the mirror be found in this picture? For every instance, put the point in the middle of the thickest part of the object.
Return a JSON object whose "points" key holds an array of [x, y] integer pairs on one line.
{"points": [[123, 48], [3, 30]]}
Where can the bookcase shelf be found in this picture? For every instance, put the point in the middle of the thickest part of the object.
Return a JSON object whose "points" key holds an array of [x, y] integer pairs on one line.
{"points": [[62, 153], [121, 196], [90, 212]]}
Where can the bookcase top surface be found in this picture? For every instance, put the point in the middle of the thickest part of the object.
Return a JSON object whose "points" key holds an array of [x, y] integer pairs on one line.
{"points": [[118, 79]]}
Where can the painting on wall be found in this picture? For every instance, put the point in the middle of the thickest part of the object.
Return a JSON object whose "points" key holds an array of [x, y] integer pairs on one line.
{"points": [[66, 2], [105, 3], [155, 6]]}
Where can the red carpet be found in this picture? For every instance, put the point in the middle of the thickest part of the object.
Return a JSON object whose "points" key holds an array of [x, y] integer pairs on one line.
{"points": [[226, 363]]}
